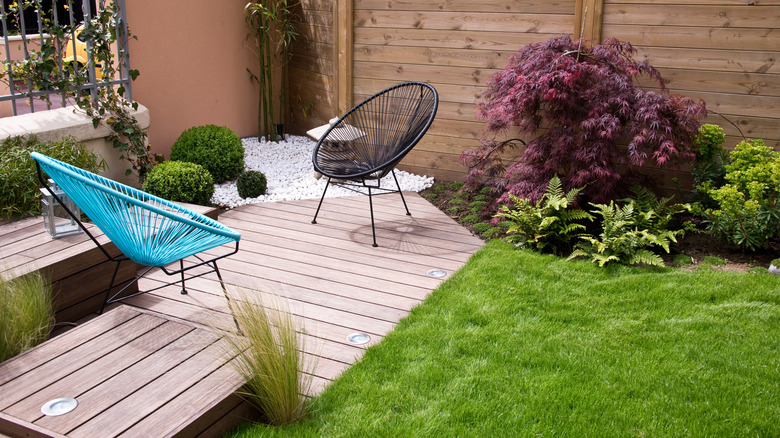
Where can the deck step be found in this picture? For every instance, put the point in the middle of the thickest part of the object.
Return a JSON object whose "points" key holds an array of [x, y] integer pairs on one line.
{"points": [[133, 373]]}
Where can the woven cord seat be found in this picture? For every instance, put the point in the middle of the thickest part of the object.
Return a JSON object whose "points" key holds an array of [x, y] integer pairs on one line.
{"points": [[365, 144], [149, 230]]}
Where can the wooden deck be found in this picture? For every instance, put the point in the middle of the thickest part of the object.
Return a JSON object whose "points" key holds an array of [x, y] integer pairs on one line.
{"points": [[327, 274]]}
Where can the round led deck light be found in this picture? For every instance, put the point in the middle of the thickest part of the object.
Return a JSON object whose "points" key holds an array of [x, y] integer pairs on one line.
{"points": [[358, 338], [437, 273], [59, 406]]}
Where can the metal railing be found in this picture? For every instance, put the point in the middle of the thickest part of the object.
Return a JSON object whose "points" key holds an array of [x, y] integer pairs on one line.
{"points": [[15, 17]]}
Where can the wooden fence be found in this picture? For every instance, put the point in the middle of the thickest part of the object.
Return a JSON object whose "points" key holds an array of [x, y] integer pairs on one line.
{"points": [[722, 51]]}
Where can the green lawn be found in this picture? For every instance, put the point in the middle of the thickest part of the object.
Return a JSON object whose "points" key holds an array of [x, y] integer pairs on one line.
{"points": [[520, 344]]}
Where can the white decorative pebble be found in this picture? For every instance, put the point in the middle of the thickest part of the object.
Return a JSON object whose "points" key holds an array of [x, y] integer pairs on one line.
{"points": [[288, 168]]}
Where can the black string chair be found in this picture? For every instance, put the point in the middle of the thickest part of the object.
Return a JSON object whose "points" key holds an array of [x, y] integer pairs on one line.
{"points": [[366, 143]]}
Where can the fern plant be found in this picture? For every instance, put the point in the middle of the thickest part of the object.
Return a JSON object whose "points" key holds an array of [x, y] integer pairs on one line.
{"points": [[550, 224], [628, 233], [654, 213]]}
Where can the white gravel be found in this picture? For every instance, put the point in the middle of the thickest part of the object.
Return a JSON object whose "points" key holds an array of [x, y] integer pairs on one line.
{"points": [[290, 174]]}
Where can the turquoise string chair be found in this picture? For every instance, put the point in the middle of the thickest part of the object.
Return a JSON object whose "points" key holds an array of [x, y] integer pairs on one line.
{"points": [[150, 231]]}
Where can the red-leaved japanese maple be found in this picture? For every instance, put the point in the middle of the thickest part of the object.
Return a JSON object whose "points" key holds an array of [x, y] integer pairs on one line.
{"points": [[596, 123]]}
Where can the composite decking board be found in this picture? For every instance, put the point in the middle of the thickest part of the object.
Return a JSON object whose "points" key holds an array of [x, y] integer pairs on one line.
{"points": [[383, 205], [323, 338], [312, 273], [295, 217], [416, 276], [430, 217], [53, 348], [73, 360], [403, 238], [289, 286], [359, 213], [25, 228], [188, 406], [22, 223], [307, 243], [321, 279], [184, 311], [154, 395], [91, 279], [40, 244], [341, 259], [58, 257], [129, 380], [226, 416], [404, 233], [264, 234], [96, 372], [335, 318], [250, 284], [15, 428], [204, 372]]}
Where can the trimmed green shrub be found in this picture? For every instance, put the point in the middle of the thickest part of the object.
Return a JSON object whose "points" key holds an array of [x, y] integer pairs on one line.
{"points": [[216, 148], [251, 184], [20, 196], [179, 181]]}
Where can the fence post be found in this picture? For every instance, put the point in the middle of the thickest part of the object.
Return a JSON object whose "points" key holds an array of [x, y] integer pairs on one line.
{"points": [[588, 17], [342, 55]]}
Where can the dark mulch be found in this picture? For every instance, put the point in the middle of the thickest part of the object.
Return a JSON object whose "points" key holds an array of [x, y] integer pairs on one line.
{"points": [[697, 246]]}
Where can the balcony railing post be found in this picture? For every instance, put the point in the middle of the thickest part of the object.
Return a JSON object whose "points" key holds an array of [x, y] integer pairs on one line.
{"points": [[122, 78]]}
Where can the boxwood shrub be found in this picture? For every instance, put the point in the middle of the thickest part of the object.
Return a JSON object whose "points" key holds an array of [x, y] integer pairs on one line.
{"points": [[180, 181], [251, 184], [216, 148]]}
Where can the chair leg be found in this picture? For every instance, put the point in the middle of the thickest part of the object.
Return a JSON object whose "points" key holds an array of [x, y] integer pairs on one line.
{"points": [[314, 221], [371, 208], [183, 287], [400, 192], [229, 301], [110, 299], [110, 286]]}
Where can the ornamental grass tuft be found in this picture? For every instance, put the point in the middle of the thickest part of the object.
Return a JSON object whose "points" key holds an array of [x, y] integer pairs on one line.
{"points": [[269, 355], [26, 315]]}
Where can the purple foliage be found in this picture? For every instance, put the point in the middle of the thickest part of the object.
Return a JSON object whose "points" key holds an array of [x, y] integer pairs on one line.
{"points": [[597, 125]]}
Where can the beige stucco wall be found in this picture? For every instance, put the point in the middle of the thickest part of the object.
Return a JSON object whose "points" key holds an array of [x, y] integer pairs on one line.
{"points": [[53, 125], [193, 60]]}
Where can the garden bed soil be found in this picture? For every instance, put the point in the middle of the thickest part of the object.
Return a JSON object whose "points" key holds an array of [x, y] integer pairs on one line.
{"points": [[697, 246]]}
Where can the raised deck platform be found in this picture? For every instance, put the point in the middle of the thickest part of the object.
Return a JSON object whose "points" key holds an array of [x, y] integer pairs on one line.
{"points": [[157, 344], [78, 270], [133, 374]]}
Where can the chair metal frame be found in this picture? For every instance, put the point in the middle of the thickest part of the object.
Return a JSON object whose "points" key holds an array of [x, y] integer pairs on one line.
{"points": [[341, 141], [167, 209]]}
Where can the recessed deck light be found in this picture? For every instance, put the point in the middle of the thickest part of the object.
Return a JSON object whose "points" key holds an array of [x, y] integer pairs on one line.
{"points": [[358, 338], [437, 273], [59, 406]]}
